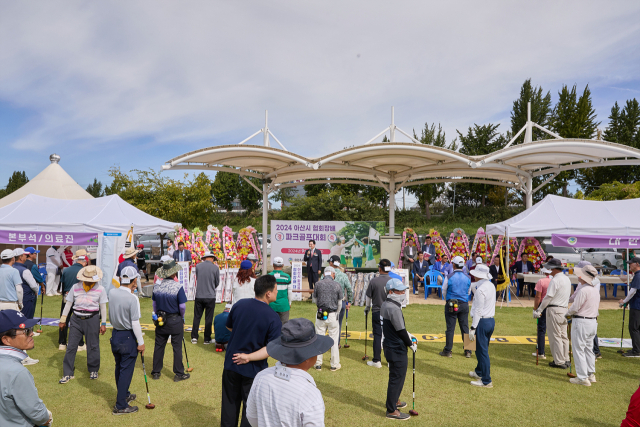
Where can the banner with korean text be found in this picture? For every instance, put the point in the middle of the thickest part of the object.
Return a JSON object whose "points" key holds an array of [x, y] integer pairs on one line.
{"points": [[48, 238], [357, 243]]}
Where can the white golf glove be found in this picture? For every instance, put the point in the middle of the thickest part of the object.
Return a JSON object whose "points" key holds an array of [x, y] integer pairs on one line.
{"points": [[472, 334], [412, 338], [50, 423], [414, 346], [536, 314]]}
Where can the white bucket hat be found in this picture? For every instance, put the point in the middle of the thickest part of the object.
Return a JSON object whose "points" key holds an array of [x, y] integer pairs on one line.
{"points": [[481, 272]]}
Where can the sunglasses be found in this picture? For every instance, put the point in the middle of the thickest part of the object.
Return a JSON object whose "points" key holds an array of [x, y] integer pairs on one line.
{"points": [[27, 332]]}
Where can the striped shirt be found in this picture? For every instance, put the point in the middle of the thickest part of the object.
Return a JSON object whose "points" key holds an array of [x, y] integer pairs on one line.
{"points": [[87, 301], [295, 402]]}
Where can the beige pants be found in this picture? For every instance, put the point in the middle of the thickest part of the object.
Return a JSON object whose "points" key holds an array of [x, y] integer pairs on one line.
{"points": [[332, 327], [557, 333], [9, 306]]}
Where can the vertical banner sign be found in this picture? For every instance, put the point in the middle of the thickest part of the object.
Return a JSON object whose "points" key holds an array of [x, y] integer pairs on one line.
{"points": [[296, 279], [183, 277]]}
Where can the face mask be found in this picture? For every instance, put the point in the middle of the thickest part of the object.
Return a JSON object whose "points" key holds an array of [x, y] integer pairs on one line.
{"points": [[397, 298]]}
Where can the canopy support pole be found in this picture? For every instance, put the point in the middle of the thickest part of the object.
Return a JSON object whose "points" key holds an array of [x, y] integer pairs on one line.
{"points": [[529, 192], [265, 217], [392, 205]]}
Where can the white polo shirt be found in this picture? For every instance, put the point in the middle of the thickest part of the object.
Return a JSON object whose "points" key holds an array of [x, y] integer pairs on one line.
{"points": [[293, 401]]}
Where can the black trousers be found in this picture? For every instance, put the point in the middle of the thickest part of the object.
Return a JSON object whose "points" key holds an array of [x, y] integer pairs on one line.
{"points": [[174, 328], [312, 276], [542, 330], [634, 329], [376, 327], [235, 392], [206, 305], [461, 317], [62, 333], [397, 375], [125, 351]]}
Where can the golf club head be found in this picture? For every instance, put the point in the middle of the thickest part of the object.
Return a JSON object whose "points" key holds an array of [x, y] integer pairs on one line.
{"points": [[571, 375], [189, 369], [365, 357], [413, 412], [621, 351], [150, 406], [39, 330], [346, 346]]}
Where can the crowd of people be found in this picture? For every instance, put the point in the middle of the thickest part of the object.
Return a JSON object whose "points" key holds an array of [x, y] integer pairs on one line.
{"points": [[249, 387]]}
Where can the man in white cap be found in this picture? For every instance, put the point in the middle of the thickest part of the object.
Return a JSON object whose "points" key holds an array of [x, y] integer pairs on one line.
{"points": [[584, 314], [208, 279], [327, 294], [54, 263], [29, 285], [396, 342], [483, 312], [10, 283], [541, 291], [456, 309], [285, 394], [282, 304], [556, 302]]}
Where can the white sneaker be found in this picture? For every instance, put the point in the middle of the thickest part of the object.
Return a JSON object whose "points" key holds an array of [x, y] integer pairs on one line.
{"points": [[592, 378], [374, 364], [479, 383], [578, 381], [62, 347], [82, 348], [29, 361], [541, 356], [36, 334], [194, 341], [473, 374]]}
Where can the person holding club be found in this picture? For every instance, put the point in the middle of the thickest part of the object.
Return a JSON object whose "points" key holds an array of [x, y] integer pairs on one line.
{"points": [[541, 290], [10, 283], [169, 305], [327, 295], [633, 299], [29, 292], [396, 342], [208, 276], [126, 337], [377, 294], [584, 314], [456, 309], [483, 312], [344, 282], [69, 278], [556, 302], [88, 299], [285, 394]]}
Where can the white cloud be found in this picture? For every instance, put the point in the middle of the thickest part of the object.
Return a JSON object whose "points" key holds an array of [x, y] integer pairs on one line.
{"points": [[202, 72]]}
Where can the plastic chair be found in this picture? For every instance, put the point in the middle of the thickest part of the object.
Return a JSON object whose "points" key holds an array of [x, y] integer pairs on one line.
{"points": [[615, 289], [413, 280], [431, 281]]}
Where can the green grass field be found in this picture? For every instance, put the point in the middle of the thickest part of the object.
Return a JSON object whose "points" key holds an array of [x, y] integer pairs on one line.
{"points": [[523, 395]]}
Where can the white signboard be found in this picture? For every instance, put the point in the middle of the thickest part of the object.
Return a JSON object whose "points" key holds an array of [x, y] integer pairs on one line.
{"points": [[296, 279], [183, 277], [357, 243]]}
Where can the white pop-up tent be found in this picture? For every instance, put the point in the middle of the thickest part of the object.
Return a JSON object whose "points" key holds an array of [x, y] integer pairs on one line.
{"points": [[110, 218], [561, 215]]}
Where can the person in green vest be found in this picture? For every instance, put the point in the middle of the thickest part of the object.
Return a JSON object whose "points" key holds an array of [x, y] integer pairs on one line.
{"points": [[368, 253], [282, 304]]}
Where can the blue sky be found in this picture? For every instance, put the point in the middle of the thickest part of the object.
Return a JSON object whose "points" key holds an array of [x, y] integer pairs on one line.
{"points": [[134, 84]]}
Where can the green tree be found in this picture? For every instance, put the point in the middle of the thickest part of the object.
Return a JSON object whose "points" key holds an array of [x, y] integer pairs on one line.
{"points": [[17, 180], [616, 191], [315, 189], [225, 189], [187, 202], [332, 205], [540, 111], [95, 189], [250, 198]]}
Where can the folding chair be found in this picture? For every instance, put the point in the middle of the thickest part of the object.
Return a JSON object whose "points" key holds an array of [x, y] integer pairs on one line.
{"points": [[431, 281]]}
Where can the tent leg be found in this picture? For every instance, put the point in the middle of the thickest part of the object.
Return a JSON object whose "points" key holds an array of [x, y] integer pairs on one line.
{"points": [[265, 230], [392, 206]]}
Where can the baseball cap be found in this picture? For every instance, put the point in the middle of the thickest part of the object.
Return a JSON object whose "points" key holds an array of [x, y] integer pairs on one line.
{"points": [[165, 258], [479, 260], [278, 261], [583, 264], [633, 260], [396, 285], [458, 261], [12, 319], [128, 274], [252, 257], [18, 252], [31, 250], [328, 270], [7, 254]]}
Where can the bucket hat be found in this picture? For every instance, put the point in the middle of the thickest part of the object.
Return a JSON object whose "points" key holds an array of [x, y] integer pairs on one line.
{"points": [[90, 273], [298, 342], [168, 269]]}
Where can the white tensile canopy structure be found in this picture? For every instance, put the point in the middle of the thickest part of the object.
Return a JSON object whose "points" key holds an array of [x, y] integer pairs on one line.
{"points": [[393, 165], [53, 182], [561, 215]]}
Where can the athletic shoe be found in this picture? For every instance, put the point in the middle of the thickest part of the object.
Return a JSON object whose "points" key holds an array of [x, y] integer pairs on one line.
{"points": [[155, 376], [318, 367], [209, 342], [445, 354], [400, 417], [479, 383], [553, 365], [127, 410], [401, 404], [335, 368], [93, 375], [181, 377], [374, 364], [62, 347], [631, 354], [541, 356], [36, 334], [194, 341], [65, 379], [131, 398], [578, 381], [82, 348], [29, 361], [592, 378], [473, 374], [467, 354], [598, 356]]}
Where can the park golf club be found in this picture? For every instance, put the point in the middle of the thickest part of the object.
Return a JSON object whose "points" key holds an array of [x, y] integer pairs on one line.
{"points": [[537, 349], [146, 383], [185, 354], [570, 374], [366, 334], [624, 310], [39, 330], [413, 411], [346, 336]]}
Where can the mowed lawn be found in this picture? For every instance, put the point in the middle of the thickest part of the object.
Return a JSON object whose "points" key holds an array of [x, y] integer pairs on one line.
{"points": [[523, 395]]}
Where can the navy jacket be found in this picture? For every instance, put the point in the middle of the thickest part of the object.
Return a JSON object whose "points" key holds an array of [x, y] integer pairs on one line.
{"points": [[420, 271], [186, 257], [517, 267], [432, 250], [313, 262]]}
